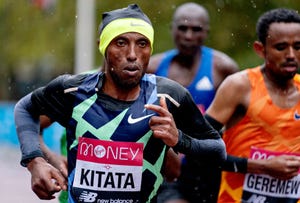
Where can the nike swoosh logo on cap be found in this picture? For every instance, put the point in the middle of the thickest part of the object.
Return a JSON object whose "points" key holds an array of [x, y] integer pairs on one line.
{"points": [[135, 120], [135, 24]]}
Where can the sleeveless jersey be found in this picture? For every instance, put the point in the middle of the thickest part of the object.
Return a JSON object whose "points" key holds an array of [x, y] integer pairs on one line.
{"points": [[201, 88], [265, 128], [90, 132]]}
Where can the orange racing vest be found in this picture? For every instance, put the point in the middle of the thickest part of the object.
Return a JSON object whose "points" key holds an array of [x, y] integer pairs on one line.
{"points": [[265, 126]]}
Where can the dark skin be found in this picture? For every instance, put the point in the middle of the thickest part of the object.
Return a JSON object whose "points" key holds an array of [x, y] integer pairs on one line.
{"points": [[58, 161], [46, 180], [43, 172], [129, 72], [190, 28], [126, 59], [281, 53]]}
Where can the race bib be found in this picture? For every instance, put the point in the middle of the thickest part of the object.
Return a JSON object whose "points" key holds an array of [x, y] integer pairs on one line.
{"points": [[108, 171], [261, 188]]}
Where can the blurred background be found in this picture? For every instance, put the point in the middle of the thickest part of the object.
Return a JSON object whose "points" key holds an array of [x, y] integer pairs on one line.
{"points": [[41, 39]]}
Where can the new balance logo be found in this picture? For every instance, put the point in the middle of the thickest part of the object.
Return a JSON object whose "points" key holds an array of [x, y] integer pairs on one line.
{"points": [[256, 199], [86, 196], [135, 120]]}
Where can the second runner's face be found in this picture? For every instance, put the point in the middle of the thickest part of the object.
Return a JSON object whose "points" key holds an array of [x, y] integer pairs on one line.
{"points": [[127, 58], [189, 32], [282, 49]]}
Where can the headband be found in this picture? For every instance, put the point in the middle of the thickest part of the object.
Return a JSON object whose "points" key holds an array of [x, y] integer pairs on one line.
{"points": [[124, 25]]}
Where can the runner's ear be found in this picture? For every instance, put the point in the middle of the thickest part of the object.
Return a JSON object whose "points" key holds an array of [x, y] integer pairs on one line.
{"points": [[259, 49]]}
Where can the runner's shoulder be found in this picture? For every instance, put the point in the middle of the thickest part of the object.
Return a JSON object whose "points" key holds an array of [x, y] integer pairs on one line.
{"points": [[65, 81], [172, 88]]}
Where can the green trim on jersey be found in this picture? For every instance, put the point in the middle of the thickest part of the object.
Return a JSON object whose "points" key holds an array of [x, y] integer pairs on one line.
{"points": [[83, 126], [105, 132]]}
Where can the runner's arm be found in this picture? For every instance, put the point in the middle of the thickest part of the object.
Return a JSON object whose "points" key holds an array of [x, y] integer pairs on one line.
{"points": [[209, 144], [212, 148], [232, 163], [56, 160], [27, 126], [45, 179]]}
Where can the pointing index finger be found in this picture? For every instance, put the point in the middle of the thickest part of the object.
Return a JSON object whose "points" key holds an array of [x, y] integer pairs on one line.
{"points": [[163, 103], [161, 109]]}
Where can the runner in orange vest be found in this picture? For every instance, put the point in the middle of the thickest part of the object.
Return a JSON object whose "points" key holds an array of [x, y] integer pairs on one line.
{"points": [[260, 109]]}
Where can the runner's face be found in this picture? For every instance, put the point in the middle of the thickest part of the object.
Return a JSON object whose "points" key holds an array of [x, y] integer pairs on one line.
{"points": [[282, 49], [127, 59], [189, 32]]}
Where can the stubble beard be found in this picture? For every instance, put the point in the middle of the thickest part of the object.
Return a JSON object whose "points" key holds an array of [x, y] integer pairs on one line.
{"points": [[126, 84]]}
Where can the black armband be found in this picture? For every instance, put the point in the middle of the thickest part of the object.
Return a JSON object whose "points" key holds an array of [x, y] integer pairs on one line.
{"points": [[184, 143], [235, 164], [213, 122]]}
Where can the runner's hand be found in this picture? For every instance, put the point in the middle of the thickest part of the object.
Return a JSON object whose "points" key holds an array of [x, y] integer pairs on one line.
{"points": [[60, 162], [163, 126], [45, 179], [282, 167]]}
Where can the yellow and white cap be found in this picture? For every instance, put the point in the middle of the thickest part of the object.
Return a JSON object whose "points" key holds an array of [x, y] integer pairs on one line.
{"points": [[120, 21]]}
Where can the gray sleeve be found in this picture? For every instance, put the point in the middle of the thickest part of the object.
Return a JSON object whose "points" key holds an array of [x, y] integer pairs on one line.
{"points": [[27, 126], [206, 149]]}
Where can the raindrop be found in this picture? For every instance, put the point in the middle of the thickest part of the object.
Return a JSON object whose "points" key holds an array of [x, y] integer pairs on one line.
{"points": [[253, 4]]}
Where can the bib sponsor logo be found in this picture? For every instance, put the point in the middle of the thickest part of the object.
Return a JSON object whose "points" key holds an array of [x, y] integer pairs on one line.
{"points": [[256, 199], [261, 155], [261, 185], [88, 196], [122, 153], [99, 151], [108, 166]]}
